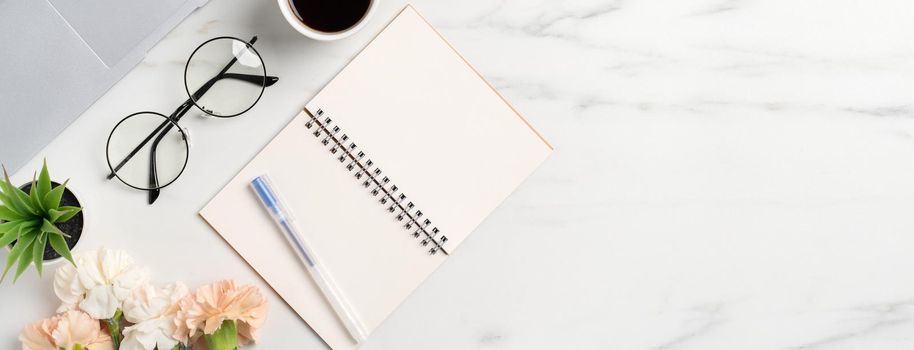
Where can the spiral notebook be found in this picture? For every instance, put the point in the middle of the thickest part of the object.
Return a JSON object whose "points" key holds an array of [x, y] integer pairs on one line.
{"points": [[387, 170]]}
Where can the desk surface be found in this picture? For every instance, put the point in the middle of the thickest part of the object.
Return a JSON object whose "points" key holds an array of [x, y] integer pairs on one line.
{"points": [[726, 173]]}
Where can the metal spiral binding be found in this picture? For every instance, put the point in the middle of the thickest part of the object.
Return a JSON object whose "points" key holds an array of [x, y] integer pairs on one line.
{"points": [[391, 197]]}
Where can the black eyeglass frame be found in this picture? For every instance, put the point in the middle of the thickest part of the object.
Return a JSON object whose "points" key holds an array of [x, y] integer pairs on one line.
{"points": [[158, 131], [172, 120]]}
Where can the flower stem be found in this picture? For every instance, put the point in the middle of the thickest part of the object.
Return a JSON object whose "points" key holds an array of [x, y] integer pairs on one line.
{"points": [[114, 328]]}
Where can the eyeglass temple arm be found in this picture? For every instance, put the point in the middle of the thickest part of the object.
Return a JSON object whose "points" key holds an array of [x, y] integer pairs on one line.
{"points": [[268, 80], [136, 149], [176, 116], [153, 171]]}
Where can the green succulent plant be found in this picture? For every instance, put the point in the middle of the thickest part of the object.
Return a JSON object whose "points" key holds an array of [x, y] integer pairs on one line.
{"points": [[29, 222]]}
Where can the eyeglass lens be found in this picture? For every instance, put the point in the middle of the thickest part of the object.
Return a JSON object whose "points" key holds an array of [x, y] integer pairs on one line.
{"points": [[161, 158], [228, 92]]}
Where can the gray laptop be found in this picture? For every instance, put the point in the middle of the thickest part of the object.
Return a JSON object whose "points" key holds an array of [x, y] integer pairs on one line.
{"points": [[59, 56]]}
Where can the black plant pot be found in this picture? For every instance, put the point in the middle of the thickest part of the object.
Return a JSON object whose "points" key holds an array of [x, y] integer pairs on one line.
{"points": [[72, 227]]}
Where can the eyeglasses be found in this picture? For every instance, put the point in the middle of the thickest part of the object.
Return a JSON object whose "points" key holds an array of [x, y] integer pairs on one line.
{"points": [[149, 151]]}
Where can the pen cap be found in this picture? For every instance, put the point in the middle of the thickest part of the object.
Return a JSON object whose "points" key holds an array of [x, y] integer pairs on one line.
{"points": [[264, 189]]}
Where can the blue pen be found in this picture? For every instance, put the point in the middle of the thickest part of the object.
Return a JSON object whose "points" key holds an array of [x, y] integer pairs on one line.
{"points": [[283, 218]]}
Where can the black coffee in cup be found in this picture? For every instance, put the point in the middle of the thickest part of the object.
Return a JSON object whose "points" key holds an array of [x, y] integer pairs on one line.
{"points": [[330, 16]]}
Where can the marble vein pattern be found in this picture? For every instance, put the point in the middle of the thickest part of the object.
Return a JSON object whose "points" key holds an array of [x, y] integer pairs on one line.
{"points": [[728, 174]]}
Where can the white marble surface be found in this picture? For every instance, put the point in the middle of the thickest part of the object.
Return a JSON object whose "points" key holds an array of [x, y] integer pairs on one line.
{"points": [[728, 174]]}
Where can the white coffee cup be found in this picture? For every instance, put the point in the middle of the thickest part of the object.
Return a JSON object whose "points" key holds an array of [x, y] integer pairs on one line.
{"points": [[289, 13]]}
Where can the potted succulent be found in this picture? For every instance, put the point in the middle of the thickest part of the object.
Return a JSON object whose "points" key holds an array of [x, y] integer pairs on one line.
{"points": [[39, 222]]}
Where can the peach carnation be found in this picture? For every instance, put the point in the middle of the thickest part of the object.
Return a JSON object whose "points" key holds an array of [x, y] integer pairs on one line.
{"points": [[65, 331], [206, 308]]}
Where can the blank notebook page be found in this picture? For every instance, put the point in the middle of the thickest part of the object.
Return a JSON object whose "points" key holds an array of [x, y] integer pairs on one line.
{"points": [[432, 126]]}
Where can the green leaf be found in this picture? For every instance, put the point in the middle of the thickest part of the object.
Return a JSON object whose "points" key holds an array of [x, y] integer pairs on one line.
{"points": [[60, 246], [26, 203], [12, 234], [6, 180], [6, 200], [23, 225], [63, 214], [54, 214], [10, 226], [25, 259], [33, 195], [38, 251], [18, 250], [18, 199], [9, 215], [48, 227], [7, 238], [44, 180], [14, 255], [52, 199]]}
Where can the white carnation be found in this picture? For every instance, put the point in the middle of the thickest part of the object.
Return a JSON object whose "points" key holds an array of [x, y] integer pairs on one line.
{"points": [[99, 283], [152, 310]]}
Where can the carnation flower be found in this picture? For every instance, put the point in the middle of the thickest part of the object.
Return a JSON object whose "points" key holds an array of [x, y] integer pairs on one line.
{"points": [[72, 329], [211, 305], [152, 310], [99, 282], [37, 336]]}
